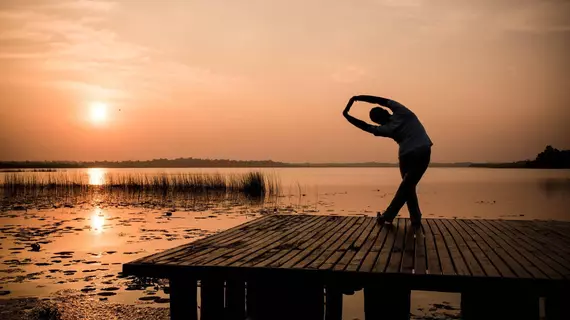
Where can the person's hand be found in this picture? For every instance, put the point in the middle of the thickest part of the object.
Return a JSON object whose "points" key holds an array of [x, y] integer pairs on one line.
{"points": [[348, 106]]}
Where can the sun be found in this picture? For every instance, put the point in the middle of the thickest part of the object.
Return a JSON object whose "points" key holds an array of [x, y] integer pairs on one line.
{"points": [[98, 112]]}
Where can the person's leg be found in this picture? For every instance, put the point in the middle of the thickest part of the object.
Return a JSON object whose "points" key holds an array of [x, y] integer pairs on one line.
{"points": [[414, 207], [412, 198], [412, 168], [404, 189], [421, 166]]}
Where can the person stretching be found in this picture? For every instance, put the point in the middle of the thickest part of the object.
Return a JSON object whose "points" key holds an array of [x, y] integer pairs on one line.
{"points": [[404, 127]]}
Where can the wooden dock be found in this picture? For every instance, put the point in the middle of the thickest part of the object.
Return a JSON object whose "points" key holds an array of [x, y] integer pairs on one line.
{"points": [[298, 267]]}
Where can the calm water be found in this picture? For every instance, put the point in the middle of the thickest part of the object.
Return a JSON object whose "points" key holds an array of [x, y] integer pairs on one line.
{"points": [[443, 192], [83, 247]]}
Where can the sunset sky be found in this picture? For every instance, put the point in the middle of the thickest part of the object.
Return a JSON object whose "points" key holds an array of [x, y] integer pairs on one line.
{"points": [[255, 80]]}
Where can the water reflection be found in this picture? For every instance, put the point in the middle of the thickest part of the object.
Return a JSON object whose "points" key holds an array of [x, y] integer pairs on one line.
{"points": [[97, 221], [96, 176], [552, 186]]}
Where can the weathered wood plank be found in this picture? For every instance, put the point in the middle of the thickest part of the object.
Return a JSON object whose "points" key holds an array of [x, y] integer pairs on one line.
{"points": [[561, 229], [372, 256], [231, 254], [384, 254], [328, 243], [445, 262], [233, 239], [285, 241], [532, 249], [312, 239], [324, 225], [268, 244], [472, 263], [204, 242], [306, 249], [420, 254], [397, 251], [365, 248], [237, 243], [454, 251], [350, 248], [481, 251], [433, 260], [541, 239], [512, 267], [537, 233], [326, 260], [511, 252], [409, 256]]}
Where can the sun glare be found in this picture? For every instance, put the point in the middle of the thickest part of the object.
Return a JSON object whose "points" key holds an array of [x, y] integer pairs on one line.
{"points": [[97, 221], [98, 112], [96, 176]]}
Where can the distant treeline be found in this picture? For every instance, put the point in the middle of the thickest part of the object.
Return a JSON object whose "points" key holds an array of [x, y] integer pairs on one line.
{"points": [[549, 158], [155, 163], [197, 163]]}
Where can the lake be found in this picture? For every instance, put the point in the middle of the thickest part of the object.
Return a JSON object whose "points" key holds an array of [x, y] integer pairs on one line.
{"points": [[84, 243]]}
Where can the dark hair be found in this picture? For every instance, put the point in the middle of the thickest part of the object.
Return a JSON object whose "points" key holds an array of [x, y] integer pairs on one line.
{"points": [[379, 115]]}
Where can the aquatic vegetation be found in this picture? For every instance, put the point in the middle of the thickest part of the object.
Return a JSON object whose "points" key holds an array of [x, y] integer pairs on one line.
{"points": [[130, 188], [45, 312]]}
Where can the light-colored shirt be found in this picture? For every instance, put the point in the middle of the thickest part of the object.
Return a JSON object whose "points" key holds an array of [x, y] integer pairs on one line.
{"points": [[405, 128]]}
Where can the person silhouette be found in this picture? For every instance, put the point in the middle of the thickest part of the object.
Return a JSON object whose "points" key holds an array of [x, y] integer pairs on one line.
{"points": [[414, 154]]}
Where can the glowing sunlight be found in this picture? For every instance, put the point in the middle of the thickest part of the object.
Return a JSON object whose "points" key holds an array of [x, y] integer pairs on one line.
{"points": [[98, 112], [96, 176], [97, 221]]}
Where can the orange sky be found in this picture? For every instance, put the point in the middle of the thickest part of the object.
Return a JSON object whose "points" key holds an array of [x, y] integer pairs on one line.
{"points": [[269, 79]]}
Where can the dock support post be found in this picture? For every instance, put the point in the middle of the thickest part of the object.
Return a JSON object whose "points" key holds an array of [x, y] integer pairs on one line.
{"points": [[386, 303], [281, 301], [235, 300], [554, 305], [183, 299], [333, 310], [212, 294], [479, 304]]}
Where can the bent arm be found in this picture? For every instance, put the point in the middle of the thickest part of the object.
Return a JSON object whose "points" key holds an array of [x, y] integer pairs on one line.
{"points": [[395, 106], [372, 99], [382, 131], [357, 122]]}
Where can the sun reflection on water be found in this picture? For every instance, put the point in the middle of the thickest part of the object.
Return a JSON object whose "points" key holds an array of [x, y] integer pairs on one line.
{"points": [[97, 221], [96, 176]]}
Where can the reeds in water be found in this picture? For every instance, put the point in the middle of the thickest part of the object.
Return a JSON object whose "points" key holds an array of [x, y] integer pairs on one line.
{"points": [[251, 184]]}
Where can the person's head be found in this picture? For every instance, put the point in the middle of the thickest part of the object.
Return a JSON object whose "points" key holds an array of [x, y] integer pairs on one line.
{"points": [[379, 115]]}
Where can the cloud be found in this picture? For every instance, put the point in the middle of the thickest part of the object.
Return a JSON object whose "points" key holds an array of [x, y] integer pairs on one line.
{"points": [[538, 17], [84, 54], [93, 5]]}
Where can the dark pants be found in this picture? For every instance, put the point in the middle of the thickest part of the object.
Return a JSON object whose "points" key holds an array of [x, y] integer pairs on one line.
{"points": [[412, 167]]}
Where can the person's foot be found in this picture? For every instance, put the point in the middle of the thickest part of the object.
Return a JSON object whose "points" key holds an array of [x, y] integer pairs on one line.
{"points": [[381, 219], [416, 224]]}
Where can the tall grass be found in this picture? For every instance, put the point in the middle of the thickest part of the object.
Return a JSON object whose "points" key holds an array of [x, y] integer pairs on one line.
{"points": [[251, 184]]}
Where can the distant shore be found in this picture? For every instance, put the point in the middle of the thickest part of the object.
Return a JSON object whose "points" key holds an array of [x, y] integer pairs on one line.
{"points": [[550, 158], [49, 166]]}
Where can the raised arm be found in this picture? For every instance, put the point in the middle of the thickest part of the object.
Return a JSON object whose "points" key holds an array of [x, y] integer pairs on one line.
{"points": [[372, 99], [375, 130], [388, 103]]}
